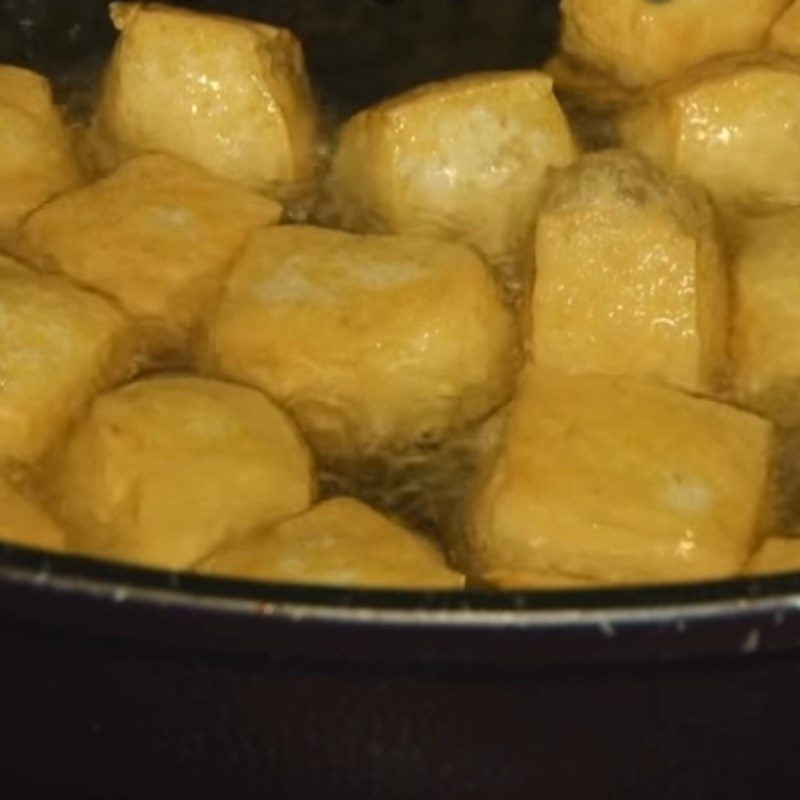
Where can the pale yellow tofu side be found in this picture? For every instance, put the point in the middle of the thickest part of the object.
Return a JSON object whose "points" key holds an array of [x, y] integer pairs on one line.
{"points": [[360, 186], [728, 126], [229, 95], [465, 159], [166, 469], [37, 161], [629, 279], [776, 555], [340, 542], [621, 481], [60, 346], [766, 336], [641, 43], [23, 522], [158, 235], [785, 33], [370, 341]]}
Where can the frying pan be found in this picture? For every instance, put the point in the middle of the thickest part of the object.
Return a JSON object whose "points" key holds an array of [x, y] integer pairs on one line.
{"points": [[118, 682]]}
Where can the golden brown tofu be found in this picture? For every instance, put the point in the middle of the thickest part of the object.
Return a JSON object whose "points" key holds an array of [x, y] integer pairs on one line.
{"points": [[641, 42], [528, 580], [158, 236], [785, 33], [59, 347], [369, 341], [340, 542], [729, 125], [464, 160], [620, 481], [37, 160], [166, 469], [227, 94], [23, 522], [629, 279], [776, 555], [766, 336]]}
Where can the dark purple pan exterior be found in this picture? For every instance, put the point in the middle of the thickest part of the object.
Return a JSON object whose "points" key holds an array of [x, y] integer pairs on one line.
{"points": [[127, 684], [123, 683]]}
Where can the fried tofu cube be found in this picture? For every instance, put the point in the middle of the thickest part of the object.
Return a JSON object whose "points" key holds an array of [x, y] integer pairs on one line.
{"points": [[166, 469], [465, 160], [621, 481], [370, 341], [37, 160], [729, 125], [642, 42], [776, 555], [158, 236], [227, 94], [59, 347], [340, 542], [784, 35], [629, 279], [766, 336], [24, 522]]}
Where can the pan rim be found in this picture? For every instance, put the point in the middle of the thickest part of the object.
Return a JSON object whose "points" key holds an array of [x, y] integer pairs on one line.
{"points": [[119, 581], [76, 600]]}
